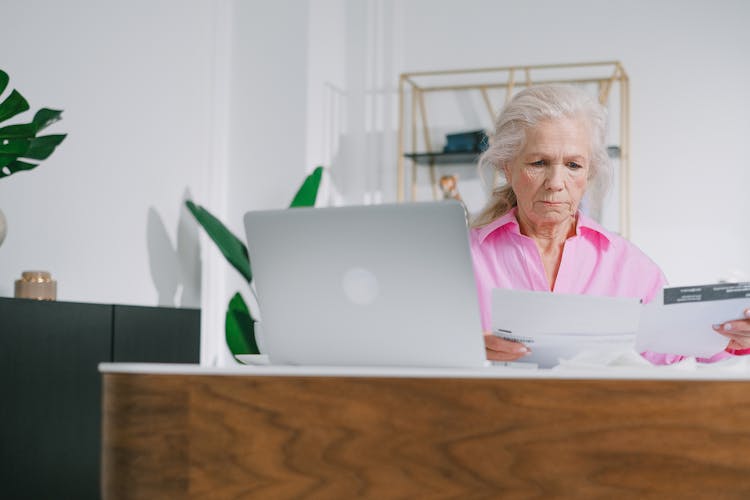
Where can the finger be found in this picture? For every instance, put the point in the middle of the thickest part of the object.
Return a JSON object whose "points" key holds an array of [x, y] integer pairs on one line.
{"points": [[493, 343], [738, 340], [503, 356], [736, 327], [499, 346]]}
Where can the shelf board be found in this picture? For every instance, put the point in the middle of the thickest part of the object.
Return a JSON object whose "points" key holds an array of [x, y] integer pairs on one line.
{"points": [[465, 157], [469, 157]]}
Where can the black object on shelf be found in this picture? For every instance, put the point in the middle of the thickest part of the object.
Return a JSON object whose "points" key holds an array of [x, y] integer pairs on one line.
{"points": [[613, 151], [466, 142]]}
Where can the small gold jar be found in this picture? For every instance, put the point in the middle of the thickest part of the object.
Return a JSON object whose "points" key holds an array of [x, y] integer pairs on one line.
{"points": [[37, 285]]}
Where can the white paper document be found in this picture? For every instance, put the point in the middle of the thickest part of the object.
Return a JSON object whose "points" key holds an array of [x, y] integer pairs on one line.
{"points": [[557, 326], [679, 320]]}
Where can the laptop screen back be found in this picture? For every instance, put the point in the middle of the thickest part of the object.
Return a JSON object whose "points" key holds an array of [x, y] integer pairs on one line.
{"points": [[378, 285]]}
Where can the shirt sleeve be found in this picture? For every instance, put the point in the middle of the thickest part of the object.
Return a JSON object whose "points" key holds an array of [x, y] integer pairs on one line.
{"points": [[657, 282]]}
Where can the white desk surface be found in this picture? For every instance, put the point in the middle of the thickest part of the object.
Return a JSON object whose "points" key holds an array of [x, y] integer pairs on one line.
{"points": [[705, 372]]}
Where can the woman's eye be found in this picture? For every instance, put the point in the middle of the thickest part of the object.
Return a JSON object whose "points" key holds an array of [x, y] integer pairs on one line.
{"points": [[538, 163], [574, 165]]}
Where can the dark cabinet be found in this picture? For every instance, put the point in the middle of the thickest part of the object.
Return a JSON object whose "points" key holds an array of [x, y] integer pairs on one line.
{"points": [[50, 437], [155, 335]]}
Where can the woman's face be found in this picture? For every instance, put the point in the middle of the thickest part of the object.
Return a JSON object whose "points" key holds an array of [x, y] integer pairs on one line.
{"points": [[550, 174]]}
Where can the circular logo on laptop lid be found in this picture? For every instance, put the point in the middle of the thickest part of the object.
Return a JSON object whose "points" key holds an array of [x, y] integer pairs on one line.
{"points": [[360, 286]]}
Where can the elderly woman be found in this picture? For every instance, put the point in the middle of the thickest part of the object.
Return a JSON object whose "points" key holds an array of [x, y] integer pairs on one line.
{"points": [[549, 145]]}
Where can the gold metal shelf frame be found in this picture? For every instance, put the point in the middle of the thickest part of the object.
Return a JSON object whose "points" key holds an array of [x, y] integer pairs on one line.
{"points": [[414, 86]]}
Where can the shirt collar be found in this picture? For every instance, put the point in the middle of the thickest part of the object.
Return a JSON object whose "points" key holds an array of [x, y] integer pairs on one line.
{"points": [[585, 223], [509, 219]]}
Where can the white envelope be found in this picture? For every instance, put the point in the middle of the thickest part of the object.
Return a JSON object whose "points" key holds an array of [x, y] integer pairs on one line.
{"points": [[560, 313]]}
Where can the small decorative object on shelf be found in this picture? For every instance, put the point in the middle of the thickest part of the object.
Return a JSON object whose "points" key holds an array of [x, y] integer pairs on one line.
{"points": [[37, 285], [613, 151], [449, 187]]}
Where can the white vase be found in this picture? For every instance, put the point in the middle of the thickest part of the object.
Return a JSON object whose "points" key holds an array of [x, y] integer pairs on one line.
{"points": [[3, 227]]}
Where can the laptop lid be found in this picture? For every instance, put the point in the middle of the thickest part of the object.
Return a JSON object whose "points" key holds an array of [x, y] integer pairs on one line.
{"points": [[377, 285]]}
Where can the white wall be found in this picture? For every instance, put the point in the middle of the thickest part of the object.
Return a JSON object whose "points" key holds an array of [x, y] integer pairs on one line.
{"points": [[267, 84], [135, 81], [163, 100], [326, 79]]}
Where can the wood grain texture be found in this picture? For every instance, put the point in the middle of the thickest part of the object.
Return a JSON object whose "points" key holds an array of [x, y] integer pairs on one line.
{"points": [[190, 436]]}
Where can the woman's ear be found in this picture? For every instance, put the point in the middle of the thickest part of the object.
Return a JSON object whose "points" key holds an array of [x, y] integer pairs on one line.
{"points": [[507, 171]]}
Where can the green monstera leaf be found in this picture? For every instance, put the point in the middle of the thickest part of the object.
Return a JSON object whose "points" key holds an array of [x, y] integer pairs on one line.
{"points": [[20, 142], [240, 325]]}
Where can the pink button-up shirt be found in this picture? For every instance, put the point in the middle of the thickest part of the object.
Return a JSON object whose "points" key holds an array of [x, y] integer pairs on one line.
{"points": [[594, 262]]}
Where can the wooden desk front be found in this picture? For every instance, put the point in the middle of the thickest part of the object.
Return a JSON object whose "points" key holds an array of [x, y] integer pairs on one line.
{"points": [[236, 435]]}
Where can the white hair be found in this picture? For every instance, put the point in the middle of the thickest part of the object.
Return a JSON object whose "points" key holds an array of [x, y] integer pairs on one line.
{"points": [[525, 111]]}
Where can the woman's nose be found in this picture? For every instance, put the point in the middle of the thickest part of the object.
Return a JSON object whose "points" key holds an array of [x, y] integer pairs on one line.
{"points": [[554, 180]]}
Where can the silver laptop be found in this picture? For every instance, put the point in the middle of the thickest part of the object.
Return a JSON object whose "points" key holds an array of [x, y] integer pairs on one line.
{"points": [[377, 285]]}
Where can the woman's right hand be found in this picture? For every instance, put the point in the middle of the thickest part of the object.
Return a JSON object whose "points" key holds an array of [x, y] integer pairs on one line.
{"points": [[499, 349], [737, 331]]}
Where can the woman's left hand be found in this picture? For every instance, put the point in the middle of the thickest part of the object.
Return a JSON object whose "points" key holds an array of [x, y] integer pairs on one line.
{"points": [[737, 331]]}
